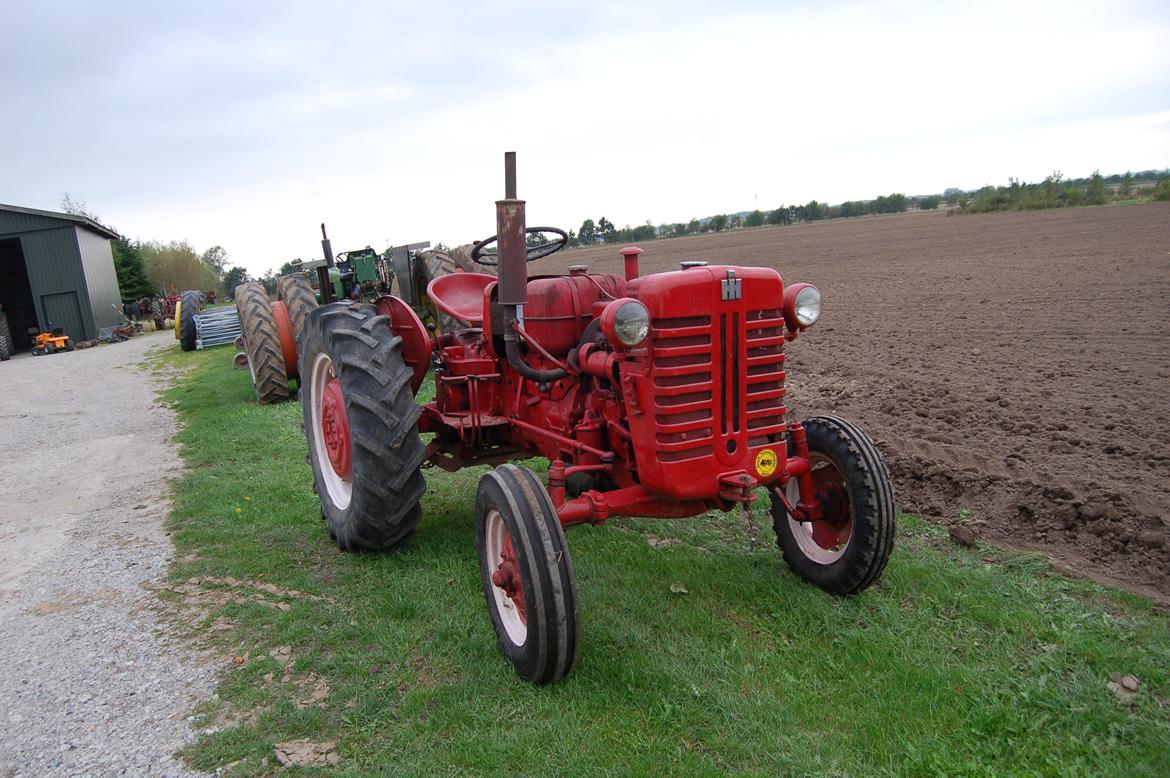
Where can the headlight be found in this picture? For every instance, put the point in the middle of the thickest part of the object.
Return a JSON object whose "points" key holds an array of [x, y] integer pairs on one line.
{"points": [[808, 306], [625, 322], [802, 306]]}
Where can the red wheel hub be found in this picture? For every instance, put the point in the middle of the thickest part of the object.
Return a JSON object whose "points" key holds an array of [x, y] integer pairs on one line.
{"points": [[335, 428], [834, 530], [507, 577]]}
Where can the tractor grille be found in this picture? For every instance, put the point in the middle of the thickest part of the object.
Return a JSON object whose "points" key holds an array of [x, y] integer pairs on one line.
{"points": [[718, 382], [763, 374], [683, 387]]}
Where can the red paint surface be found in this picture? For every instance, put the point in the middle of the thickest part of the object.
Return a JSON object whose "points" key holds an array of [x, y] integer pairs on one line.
{"points": [[335, 429]]}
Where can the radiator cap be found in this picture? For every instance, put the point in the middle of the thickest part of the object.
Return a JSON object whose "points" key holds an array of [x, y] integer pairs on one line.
{"points": [[687, 264], [578, 270]]}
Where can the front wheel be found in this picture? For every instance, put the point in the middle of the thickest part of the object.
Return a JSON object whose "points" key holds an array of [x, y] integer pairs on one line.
{"points": [[846, 551], [527, 575]]}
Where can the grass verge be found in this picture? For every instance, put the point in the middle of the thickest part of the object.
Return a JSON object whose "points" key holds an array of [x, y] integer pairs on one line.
{"points": [[958, 662]]}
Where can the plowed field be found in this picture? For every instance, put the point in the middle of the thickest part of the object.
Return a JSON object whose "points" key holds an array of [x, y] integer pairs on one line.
{"points": [[1014, 368]]}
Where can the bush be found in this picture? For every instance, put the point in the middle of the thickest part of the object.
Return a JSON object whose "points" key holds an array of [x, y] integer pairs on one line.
{"points": [[1162, 190]]}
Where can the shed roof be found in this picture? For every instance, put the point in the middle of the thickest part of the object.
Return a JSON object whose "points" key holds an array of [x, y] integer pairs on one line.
{"points": [[81, 221]]}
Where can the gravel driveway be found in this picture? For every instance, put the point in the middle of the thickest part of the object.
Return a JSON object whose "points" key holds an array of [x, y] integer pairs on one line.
{"points": [[92, 683]]}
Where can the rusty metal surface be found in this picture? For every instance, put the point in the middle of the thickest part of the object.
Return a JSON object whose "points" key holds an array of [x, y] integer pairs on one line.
{"points": [[513, 252]]}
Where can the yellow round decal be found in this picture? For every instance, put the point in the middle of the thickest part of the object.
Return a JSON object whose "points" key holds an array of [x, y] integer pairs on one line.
{"points": [[766, 462]]}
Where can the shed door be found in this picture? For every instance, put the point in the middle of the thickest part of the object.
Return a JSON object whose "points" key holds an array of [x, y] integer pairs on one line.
{"points": [[63, 311]]}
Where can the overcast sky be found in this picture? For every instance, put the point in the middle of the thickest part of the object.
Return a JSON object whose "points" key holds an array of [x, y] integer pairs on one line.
{"points": [[246, 123]]}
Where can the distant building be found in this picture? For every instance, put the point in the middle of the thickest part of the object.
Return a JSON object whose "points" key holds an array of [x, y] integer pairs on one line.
{"points": [[58, 268]]}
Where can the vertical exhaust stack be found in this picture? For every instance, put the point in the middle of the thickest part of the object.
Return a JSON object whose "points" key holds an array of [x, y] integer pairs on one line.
{"points": [[512, 288], [323, 272], [510, 227]]}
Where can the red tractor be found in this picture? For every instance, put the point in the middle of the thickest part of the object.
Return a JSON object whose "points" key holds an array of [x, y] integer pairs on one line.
{"points": [[654, 396]]}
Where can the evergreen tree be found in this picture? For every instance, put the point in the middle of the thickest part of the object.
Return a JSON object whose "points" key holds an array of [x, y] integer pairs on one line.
{"points": [[132, 280]]}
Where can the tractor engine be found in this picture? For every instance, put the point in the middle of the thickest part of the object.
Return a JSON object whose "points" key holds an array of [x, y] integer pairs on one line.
{"points": [[673, 382]]}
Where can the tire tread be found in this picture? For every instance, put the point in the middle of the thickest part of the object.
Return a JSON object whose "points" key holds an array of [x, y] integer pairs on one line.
{"points": [[261, 342], [873, 493]]}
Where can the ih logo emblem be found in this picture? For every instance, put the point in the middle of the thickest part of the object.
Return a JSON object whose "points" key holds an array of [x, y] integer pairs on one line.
{"points": [[732, 287]]}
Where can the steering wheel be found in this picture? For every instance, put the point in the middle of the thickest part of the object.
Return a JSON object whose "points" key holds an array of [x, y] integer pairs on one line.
{"points": [[491, 258]]}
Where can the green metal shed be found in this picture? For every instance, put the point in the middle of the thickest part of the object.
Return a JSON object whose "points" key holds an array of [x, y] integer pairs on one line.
{"points": [[59, 268]]}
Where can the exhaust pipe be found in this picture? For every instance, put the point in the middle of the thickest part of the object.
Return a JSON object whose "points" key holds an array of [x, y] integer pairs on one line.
{"points": [[510, 227], [512, 287]]}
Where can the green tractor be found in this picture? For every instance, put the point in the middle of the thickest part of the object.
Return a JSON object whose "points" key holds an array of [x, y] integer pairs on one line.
{"points": [[268, 343]]}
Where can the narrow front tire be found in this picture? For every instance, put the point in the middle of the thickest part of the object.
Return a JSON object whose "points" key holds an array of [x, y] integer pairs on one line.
{"points": [[845, 551], [527, 574]]}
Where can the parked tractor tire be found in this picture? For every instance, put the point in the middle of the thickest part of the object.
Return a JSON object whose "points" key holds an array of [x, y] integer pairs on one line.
{"points": [[428, 266], [461, 256], [190, 303], [6, 346], [262, 343], [69, 344], [299, 299], [845, 552], [527, 575], [361, 422]]}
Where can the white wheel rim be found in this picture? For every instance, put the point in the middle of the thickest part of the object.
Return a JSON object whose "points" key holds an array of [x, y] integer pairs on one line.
{"points": [[802, 531], [496, 532], [338, 489]]}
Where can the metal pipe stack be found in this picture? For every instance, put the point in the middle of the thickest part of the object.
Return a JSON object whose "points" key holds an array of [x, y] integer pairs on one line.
{"points": [[217, 326]]}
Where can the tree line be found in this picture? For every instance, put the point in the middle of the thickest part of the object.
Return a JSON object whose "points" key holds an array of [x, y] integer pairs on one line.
{"points": [[158, 269], [1055, 191], [593, 233]]}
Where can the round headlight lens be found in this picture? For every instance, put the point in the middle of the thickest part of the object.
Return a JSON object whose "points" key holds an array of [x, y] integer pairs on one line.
{"points": [[808, 306], [631, 323]]}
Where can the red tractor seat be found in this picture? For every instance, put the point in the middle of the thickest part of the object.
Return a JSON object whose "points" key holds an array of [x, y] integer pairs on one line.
{"points": [[461, 295]]}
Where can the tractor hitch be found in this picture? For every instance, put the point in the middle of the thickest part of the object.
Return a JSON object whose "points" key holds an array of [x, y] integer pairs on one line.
{"points": [[737, 487]]}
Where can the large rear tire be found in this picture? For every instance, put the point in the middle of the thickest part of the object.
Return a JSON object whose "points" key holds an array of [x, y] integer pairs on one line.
{"points": [[461, 256], [361, 422], [190, 301], [527, 575], [845, 552], [262, 343], [299, 299], [426, 267]]}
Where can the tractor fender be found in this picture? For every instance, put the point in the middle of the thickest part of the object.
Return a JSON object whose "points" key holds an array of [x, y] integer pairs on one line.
{"points": [[416, 341]]}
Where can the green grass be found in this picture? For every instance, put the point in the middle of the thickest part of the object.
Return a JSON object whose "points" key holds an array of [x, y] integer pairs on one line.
{"points": [[958, 662]]}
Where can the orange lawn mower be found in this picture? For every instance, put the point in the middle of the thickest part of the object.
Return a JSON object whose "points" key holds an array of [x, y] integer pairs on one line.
{"points": [[49, 342]]}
